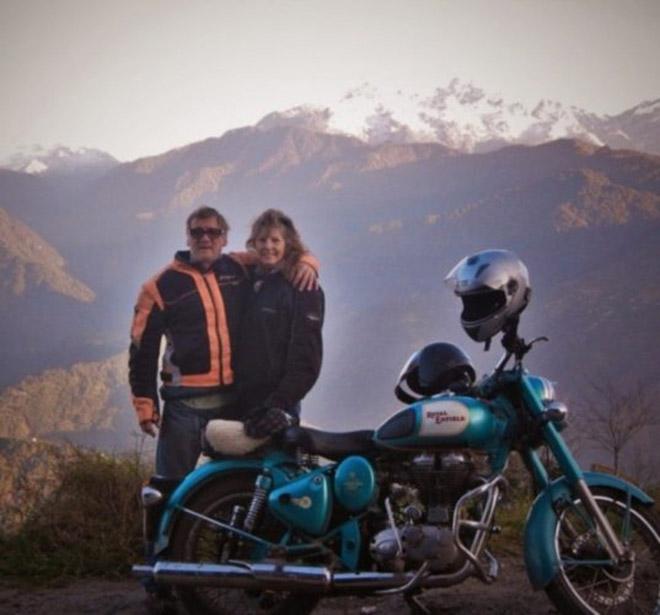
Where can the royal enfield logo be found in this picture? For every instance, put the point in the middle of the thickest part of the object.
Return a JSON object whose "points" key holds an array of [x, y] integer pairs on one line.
{"points": [[440, 416], [444, 418]]}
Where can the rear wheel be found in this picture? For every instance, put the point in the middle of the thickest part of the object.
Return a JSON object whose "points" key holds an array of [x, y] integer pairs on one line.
{"points": [[197, 540], [585, 582]]}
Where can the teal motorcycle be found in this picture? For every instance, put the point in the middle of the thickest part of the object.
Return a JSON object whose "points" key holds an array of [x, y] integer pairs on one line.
{"points": [[410, 505]]}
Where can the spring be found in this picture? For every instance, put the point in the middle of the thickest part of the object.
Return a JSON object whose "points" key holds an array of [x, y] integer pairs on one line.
{"points": [[257, 503]]}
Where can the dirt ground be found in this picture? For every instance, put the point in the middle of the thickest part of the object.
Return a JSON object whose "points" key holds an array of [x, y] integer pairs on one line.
{"points": [[511, 594]]}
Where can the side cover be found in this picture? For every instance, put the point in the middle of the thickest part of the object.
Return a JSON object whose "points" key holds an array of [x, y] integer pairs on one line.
{"points": [[305, 503]]}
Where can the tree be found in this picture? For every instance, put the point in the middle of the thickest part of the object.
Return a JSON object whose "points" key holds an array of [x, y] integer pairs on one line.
{"points": [[614, 416]]}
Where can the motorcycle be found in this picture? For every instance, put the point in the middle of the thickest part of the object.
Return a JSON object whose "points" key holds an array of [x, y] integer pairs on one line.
{"points": [[405, 507]]}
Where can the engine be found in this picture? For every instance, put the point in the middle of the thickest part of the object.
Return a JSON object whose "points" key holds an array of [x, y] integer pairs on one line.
{"points": [[419, 509]]}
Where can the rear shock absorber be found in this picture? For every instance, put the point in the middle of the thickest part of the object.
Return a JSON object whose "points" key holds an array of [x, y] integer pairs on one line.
{"points": [[227, 541], [261, 487]]}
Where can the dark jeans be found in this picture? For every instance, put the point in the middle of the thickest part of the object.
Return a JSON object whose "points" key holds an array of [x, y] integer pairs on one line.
{"points": [[180, 437]]}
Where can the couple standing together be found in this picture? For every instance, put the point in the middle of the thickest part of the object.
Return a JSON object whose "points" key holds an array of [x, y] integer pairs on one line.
{"points": [[243, 335]]}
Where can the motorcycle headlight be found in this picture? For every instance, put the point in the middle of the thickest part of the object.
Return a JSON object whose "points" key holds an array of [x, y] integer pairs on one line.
{"points": [[557, 411]]}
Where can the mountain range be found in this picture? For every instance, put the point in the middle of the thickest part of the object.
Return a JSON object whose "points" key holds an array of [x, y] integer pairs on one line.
{"points": [[464, 117], [387, 219], [460, 115]]}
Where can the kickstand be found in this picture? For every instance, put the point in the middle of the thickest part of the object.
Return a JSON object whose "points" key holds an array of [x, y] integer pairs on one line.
{"points": [[414, 604]]}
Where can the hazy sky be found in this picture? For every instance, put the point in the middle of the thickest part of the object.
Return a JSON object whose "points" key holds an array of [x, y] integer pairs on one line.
{"points": [[138, 77]]}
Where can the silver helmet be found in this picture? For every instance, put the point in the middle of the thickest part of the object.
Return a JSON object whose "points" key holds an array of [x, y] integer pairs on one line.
{"points": [[494, 288]]}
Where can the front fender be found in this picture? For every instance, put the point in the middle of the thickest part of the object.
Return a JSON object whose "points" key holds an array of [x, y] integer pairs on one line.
{"points": [[541, 559], [191, 485]]}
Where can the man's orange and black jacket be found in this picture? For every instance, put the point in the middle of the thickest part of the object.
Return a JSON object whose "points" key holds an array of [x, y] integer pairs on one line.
{"points": [[198, 313]]}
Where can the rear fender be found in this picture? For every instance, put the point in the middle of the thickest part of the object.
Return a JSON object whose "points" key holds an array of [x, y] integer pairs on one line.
{"points": [[192, 484], [541, 559]]}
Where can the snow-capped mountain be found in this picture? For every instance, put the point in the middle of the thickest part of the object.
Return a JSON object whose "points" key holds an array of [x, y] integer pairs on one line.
{"points": [[464, 117], [60, 160], [459, 116], [637, 128]]}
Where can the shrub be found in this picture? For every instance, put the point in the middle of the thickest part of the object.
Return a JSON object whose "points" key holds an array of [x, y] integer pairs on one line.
{"points": [[511, 517], [90, 525]]}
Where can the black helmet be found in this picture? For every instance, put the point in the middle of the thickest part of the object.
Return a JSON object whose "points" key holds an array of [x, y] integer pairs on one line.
{"points": [[494, 287], [433, 369]]}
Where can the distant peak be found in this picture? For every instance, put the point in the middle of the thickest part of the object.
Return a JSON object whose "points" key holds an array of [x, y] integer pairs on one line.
{"points": [[648, 106], [60, 159], [35, 167], [303, 116]]}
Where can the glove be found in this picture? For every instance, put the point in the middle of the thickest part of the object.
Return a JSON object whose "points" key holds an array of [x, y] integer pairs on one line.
{"points": [[267, 422]]}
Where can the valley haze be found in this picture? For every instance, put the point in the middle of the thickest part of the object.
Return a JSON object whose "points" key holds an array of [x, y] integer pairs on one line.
{"points": [[399, 136], [387, 220]]}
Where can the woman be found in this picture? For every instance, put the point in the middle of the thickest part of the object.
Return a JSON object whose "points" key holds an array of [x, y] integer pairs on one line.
{"points": [[280, 345]]}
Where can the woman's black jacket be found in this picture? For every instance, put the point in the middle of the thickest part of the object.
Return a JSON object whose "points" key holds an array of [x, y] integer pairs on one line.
{"points": [[280, 347]]}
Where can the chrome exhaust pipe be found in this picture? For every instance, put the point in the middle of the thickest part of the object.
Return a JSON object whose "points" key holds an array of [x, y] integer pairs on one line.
{"points": [[268, 576], [356, 582], [243, 575]]}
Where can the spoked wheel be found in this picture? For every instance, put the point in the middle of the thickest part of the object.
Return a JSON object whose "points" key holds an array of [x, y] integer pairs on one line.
{"points": [[197, 540], [586, 583]]}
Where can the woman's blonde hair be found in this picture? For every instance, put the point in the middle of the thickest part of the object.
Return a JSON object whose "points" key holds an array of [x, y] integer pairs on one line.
{"points": [[274, 218]]}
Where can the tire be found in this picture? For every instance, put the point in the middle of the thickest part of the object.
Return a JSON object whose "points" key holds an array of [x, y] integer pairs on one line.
{"points": [[195, 540], [589, 588]]}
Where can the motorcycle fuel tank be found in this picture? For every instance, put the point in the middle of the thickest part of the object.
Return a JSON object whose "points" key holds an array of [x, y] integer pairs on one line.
{"points": [[442, 421]]}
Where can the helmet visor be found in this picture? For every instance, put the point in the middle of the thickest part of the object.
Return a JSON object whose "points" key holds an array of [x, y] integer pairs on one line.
{"points": [[482, 304], [452, 278]]}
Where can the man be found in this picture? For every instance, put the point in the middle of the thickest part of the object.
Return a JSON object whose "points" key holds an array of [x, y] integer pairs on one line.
{"points": [[196, 302]]}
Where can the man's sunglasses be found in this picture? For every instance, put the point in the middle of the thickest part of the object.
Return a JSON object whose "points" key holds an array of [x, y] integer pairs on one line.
{"points": [[199, 232]]}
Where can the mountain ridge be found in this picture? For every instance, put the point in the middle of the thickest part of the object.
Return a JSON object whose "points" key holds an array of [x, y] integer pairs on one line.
{"points": [[82, 397], [28, 260]]}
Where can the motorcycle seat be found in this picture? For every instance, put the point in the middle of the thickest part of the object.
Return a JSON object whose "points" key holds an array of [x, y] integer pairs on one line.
{"points": [[331, 445]]}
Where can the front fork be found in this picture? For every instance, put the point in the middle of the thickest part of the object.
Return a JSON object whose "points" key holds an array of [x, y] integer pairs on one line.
{"points": [[615, 548], [574, 475]]}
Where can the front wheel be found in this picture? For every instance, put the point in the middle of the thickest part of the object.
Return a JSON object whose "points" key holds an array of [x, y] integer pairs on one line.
{"points": [[586, 583], [196, 540]]}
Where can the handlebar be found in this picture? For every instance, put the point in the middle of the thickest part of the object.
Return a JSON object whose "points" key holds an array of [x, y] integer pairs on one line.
{"points": [[515, 345]]}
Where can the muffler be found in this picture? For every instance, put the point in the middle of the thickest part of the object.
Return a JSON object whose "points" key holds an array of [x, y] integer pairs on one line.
{"points": [[271, 576]]}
